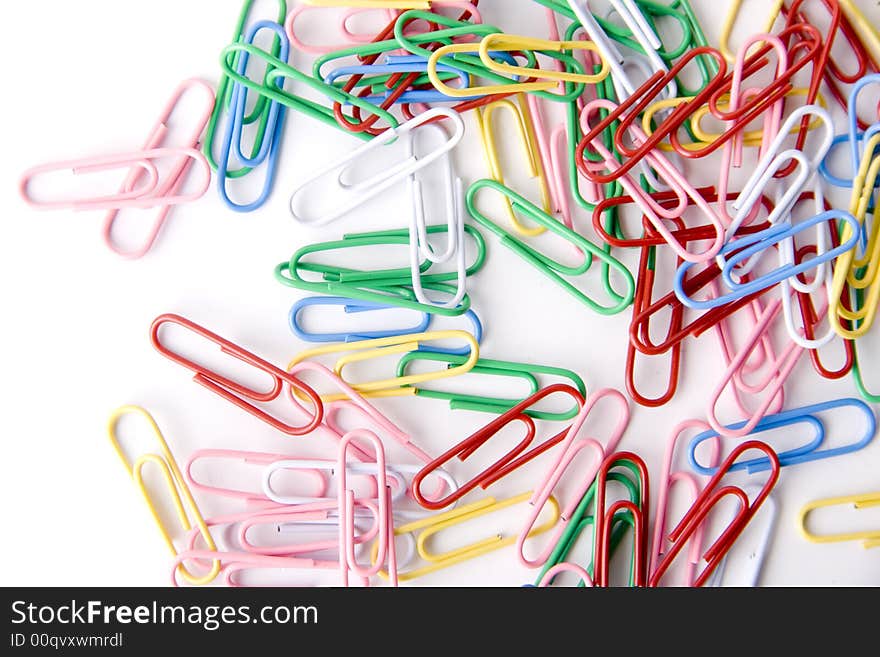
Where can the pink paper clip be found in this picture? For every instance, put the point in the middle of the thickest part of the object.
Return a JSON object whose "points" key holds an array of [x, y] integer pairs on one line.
{"points": [[178, 174], [258, 459], [386, 552], [771, 385], [144, 187], [236, 393], [571, 447], [763, 353], [237, 562], [711, 495], [148, 195], [731, 151], [565, 567], [692, 484], [654, 211], [289, 519], [367, 412], [345, 15]]}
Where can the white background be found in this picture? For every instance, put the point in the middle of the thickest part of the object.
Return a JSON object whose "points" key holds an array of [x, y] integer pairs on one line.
{"points": [[90, 77]]}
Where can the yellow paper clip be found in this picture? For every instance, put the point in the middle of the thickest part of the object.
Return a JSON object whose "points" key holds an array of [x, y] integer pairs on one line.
{"points": [[500, 42], [867, 32], [487, 89], [730, 20], [430, 526], [397, 386], [526, 130], [177, 488], [858, 272], [869, 538]]}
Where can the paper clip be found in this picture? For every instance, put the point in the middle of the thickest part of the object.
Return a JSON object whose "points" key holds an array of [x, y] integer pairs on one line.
{"points": [[268, 149], [348, 399], [757, 555], [640, 336], [570, 449], [828, 68], [236, 393], [870, 537], [865, 28], [179, 174], [668, 173], [318, 521], [780, 236], [352, 194], [393, 478], [859, 273], [351, 306], [730, 21], [803, 454], [499, 368], [512, 460], [272, 87], [635, 512], [320, 49], [630, 108], [668, 480], [501, 42], [708, 498], [395, 65], [255, 459], [184, 504], [580, 520], [234, 563], [565, 567], [385, 540], [855, 139], [642, 301], [771, 385], [140, 164], [398, 385], [643, 33], [549, 267], [424, 529], [225, 92], [525, 129], [463, 57], [388, 286]]}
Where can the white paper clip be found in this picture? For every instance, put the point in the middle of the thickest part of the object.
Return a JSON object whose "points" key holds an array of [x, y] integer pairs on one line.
{"points": [[351, 195]]}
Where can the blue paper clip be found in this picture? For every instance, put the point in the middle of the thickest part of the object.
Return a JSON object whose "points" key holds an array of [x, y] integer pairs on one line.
{"points": [[749, 245], [405, 64], [854, 138], [270, 148], [802, 454], [350, 305]]}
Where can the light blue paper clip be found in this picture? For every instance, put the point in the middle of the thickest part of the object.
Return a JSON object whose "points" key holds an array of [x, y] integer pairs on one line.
{"points": [[804, 453], [350, 305], [747, 246], [270, 148]]}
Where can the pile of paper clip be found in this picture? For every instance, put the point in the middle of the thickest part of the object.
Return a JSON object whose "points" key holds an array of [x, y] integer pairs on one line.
{"points": [[637, 114]]}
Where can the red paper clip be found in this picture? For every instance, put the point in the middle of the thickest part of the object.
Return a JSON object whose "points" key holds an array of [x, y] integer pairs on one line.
{"points": [[705, 502], [604, 521], [826, 67], [506, 464], [641, 301], [234, 392]]}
